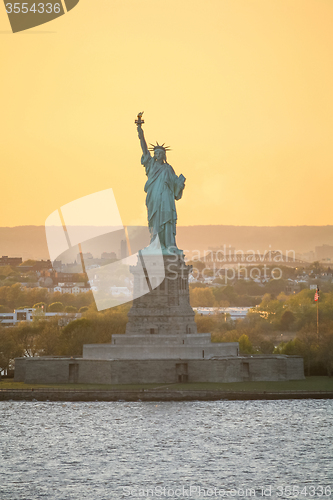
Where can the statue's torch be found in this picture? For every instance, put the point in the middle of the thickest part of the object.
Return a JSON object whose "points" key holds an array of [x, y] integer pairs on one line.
{"points": [[139, 120]]}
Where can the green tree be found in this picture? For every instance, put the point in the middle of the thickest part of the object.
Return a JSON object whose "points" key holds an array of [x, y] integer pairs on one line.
{"points": [[192, 286], [6, 271], [95, 328], [14, 296], [266, 346], [245, 345], [9, 348], [229, 336], [227, 293], [306, 345], [287, 320], [70, 309], [74, 335], [325, 350], [29, 262], [48, 340], [26, 335], [4, 309], [112, 321], [40, 305], [202, 297], [56, 307], [205, 324]]}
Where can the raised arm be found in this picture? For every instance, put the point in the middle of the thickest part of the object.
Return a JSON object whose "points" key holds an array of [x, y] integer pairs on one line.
{"points": [[139, 122], [143, 143]]}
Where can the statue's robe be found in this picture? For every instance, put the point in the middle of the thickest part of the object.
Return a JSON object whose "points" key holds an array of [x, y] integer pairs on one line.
{"points": [[163, 187]]}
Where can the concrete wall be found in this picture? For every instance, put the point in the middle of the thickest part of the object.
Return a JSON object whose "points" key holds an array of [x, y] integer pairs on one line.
{"points": [[85, 371], [158, 351], [62, 371], [295, 366], [19, 373], [162, 340]]}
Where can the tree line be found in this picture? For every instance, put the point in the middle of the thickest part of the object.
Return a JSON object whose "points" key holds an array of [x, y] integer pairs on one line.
{"points": [[48, 338], [15, 297], [256, 334]]}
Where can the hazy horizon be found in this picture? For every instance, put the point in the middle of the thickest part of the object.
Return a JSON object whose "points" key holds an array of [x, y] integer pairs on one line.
{"points": [[30, 241]]}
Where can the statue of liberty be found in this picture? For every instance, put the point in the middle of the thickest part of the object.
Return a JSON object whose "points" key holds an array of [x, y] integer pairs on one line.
{"points": [[163, 187]]}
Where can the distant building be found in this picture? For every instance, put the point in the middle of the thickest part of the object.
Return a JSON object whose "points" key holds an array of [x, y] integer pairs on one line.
{"points": [[42, 264], [109, 256], [70, 289], [10, 261], [85, 256], [292, 288], [12, 319], [307, 256], [37, 266], [324, 252], [123, 249], [59, 279]]}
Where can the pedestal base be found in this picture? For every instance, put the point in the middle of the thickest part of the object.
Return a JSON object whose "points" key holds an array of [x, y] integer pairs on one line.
{"points": [[188, 346], [166, 308]]}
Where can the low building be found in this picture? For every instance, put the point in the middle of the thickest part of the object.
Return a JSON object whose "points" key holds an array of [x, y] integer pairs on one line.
{"points": [[232, 312], [128, 371], [28, 314], [158, 358], [70, 289], [10, 261], [293, 288]]}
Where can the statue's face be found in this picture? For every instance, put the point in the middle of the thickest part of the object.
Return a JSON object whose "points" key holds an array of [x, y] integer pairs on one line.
{"points": [[159, 154]]}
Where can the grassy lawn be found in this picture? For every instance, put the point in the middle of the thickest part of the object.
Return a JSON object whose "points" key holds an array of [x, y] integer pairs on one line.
{"points": [[308, 384]]}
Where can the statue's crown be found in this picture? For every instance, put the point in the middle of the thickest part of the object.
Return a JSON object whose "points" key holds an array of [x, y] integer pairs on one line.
{"points": [[159, 146]]}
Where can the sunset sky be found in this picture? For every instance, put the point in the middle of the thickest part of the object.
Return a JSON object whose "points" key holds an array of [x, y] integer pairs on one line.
{"points": [[241, 90]]}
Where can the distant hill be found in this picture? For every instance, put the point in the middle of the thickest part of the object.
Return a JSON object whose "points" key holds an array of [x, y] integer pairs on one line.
{"points": [[301, 239], [29, 242]]}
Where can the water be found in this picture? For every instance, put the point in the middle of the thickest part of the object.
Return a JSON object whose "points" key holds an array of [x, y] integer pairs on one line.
{"points": [[101, 451]]}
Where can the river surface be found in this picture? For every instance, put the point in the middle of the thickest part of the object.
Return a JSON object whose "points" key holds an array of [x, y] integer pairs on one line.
{"points": [[220, 449]]}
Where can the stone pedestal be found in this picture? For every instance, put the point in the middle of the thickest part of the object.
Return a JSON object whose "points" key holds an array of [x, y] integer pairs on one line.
{"points": [[140, 347], [161, 322], [166, 309]]}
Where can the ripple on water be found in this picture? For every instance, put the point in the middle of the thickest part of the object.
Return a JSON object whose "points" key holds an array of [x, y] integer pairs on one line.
{"points": [[92, 451]]}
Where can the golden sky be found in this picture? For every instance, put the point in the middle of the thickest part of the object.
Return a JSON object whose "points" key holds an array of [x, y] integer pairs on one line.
{"points": [[242, 91]]}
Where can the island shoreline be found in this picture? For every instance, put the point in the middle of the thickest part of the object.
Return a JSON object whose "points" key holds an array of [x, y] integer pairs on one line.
{"points": [[148, 395]]}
